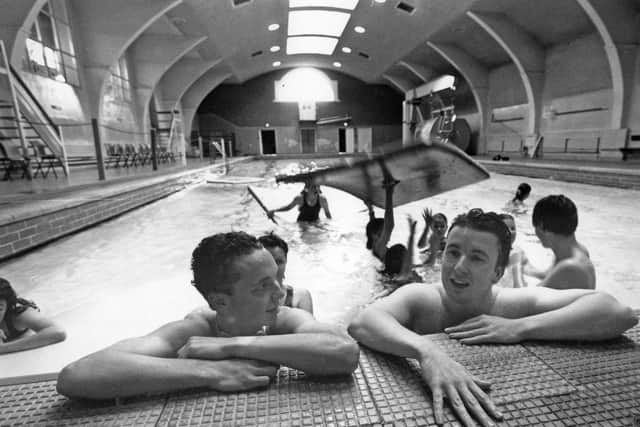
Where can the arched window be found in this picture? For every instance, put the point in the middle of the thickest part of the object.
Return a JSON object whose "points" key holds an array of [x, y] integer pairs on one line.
{"points": [[306, 85], [50, 49]]}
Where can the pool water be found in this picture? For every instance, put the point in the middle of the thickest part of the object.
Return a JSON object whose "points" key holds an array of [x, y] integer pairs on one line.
{"points": [[130, 275]]}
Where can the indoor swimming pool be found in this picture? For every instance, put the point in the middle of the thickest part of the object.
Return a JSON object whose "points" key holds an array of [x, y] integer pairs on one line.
{"points": [[131, 274]]}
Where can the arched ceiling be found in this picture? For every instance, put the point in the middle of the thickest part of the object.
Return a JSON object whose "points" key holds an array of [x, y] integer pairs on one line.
{"points": [[394, 46]]}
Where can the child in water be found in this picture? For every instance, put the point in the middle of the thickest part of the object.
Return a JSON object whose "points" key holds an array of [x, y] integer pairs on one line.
{"points": [[437, 223], [513, 276]]}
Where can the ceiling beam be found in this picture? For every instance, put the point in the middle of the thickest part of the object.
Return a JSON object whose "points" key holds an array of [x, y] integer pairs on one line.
{"points": [[526, 53], [616, 24]]}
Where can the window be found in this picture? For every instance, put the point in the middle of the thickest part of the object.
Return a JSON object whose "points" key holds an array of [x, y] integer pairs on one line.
{"points": [[50, 49], [120, 84]]}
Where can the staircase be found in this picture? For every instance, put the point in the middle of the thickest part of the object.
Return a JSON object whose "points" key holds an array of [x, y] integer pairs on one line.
{"points": [[23, 121]]}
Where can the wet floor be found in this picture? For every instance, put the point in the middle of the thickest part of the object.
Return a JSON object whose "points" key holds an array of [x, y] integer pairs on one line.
{"points": [[131, 274]]}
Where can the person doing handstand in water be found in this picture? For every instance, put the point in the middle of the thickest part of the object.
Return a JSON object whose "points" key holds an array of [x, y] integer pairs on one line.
{"points": [[309, 202], [398, 258]]}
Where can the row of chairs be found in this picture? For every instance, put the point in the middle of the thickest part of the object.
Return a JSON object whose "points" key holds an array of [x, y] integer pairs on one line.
{"points": [[128, 155], [14, 159], [39, 160]]}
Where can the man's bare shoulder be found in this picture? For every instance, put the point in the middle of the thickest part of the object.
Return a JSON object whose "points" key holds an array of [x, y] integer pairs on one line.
{"points": [[295, 320], [419, 303], [204, 317], [419, 293], [574, 272]]}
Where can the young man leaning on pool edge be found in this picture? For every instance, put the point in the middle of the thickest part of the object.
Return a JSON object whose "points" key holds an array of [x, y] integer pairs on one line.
{"points": [[237, 345], [470, 309]]}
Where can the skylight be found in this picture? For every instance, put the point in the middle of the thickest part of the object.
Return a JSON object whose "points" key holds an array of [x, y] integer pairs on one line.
{"points": [[318, 22], [311, 44], [337, 4]]}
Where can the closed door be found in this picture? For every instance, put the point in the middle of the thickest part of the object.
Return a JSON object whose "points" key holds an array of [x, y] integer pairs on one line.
{"points": [[268, 141], [308, 138], [342, 140]]}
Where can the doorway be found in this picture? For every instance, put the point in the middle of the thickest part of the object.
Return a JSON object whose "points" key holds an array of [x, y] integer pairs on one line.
{"points": [[308, 138], [268, 141], [342, 140]]}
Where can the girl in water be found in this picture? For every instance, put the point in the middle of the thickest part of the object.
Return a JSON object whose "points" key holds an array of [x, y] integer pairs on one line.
{"points": [[22, 327]]}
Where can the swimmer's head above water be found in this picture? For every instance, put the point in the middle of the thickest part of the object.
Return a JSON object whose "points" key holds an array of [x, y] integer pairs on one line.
{"points": [[238, 278]]}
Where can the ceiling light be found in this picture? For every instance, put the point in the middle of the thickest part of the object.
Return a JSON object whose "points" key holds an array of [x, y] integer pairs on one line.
{"points": [[274, 48], [337, 64], [276, 63], [346, 49], [317, 22], [336, 4], [311, 44], [359, 29], [273, 27], [380, 1]]}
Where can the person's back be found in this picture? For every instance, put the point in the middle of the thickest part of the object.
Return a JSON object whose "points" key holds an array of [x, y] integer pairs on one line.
{"points": [[555, 220]]}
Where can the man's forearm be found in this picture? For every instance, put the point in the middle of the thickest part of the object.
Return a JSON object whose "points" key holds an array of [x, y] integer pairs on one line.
{"points": [[99, 377], [313, 353], [592, 317], [381, 331]]}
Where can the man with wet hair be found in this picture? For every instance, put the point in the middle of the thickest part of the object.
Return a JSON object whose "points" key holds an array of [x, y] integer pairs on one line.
{"points": [[468, 307], [236, 345], [555, 219]]}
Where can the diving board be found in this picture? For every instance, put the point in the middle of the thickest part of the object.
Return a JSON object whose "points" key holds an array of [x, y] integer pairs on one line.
{"points": [[422, 171]]}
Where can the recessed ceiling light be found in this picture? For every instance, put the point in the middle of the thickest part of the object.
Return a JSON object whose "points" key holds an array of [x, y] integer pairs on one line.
{"points": [[359, 29], [346, 49], [273, 27], [274, 48], [276, 63], [337, 64], [380, 1]]}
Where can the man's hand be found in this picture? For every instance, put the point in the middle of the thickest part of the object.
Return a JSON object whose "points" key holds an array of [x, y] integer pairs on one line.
{"points": [[447, 378], [241, 374], [487, 329], [3, 336], [210, 348]]}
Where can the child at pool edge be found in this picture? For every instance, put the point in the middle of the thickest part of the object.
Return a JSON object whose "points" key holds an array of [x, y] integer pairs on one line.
{"points": [[279, 249], [22, 327]]}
